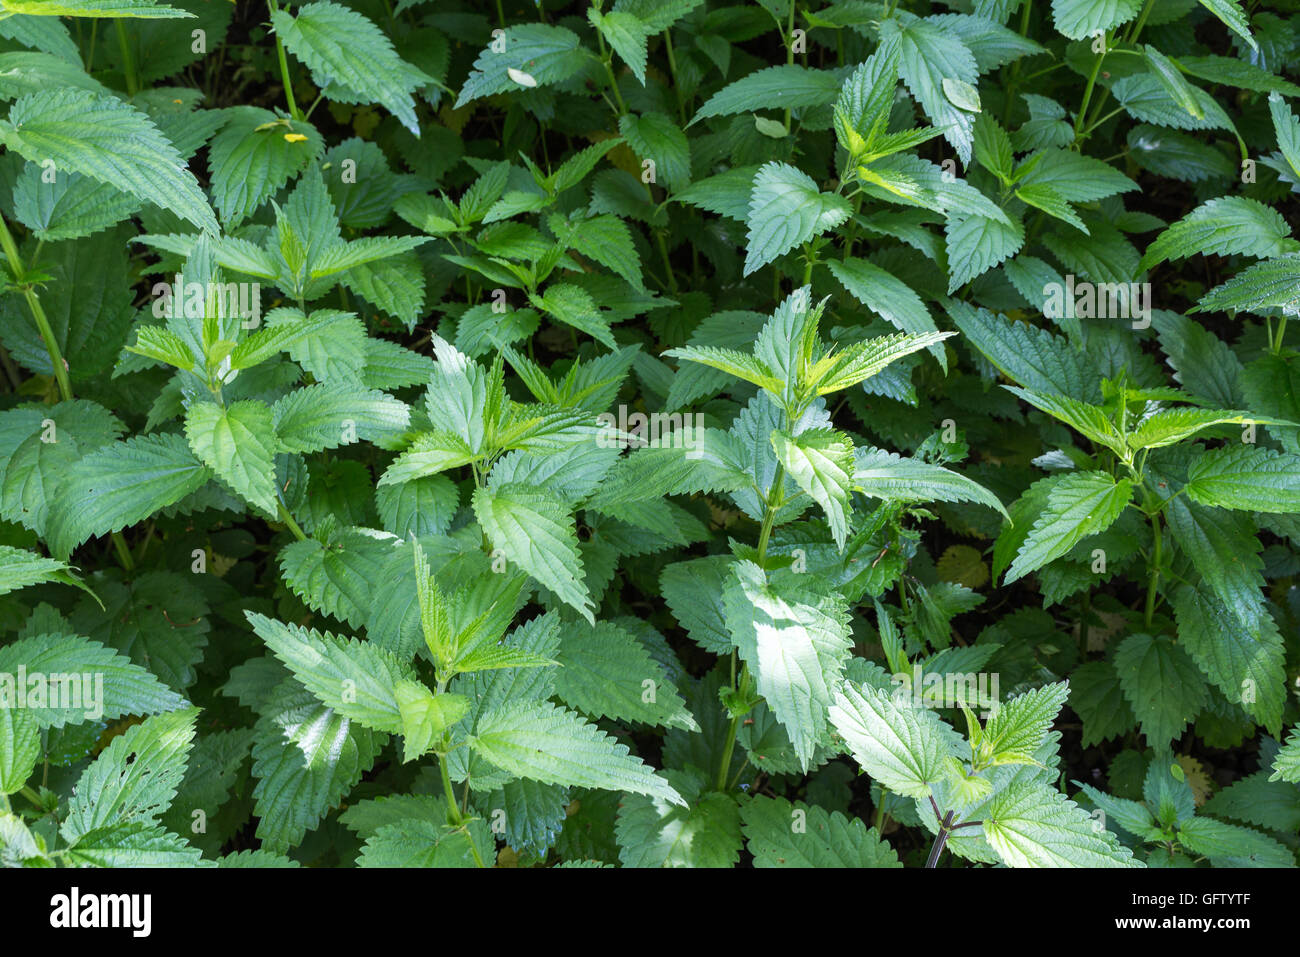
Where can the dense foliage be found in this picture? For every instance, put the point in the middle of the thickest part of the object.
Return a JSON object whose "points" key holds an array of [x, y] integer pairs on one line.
{"points": [[669, 433]]}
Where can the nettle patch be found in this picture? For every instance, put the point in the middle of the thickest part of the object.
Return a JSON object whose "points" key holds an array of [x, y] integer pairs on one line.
{"points": [[668, 433]]}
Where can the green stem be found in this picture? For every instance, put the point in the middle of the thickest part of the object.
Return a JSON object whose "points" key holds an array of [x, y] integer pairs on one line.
{"points": [[1154, 580], [668, 266], [38, 313], [881, 816], [453, 806], [1015, 67], [1087, 91], [288, 520], [128, 61], [728, 747], [52, 347], [1140, 22], [789, 54], [609, 72], [769, 514], [1281, 331], [123, 553], [284, 71], [30, 794], [672, 70]]}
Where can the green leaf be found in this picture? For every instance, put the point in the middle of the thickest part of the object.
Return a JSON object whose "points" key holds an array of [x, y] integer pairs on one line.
{"points": [[523, 523], [655, 832], [132, 844], [238, 443], [796, 643], [1081, 504], [821, 462], [134, 779], [978, 243], [351, 57], [887, 295], [305, 757], [781, 834], [20, 748], [126, 688], [1090, 420], [606, 673], [574, 306], [786, 209], [655, 136], [1016, 730], [101, 137], [1237, 646], [72, 207], [1246, 477], [1082, 19], [253, 157], [626, 34], [544, 53], [1227, 845], [903, 747], [1049, 200], [1170, 426], [1037, 826], [426, 843], [1230, 13], [693, 591], [20, 568], [1162, 685], [543, 742], [137, 9], [861, 360], [328, 415], [1287, 129], [354, 678], [887, 476], [788, 86], [119, 485], [425, 716], [1260, 288], [1232, 225], [1032, 357], [934, 61], [1286, 766]]}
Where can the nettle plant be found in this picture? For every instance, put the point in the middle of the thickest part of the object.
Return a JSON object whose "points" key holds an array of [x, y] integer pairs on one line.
{"points": [[649, 434]]}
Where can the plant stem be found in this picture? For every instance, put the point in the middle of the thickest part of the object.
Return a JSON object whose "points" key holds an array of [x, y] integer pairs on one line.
{"points": [[728, 747], [128, 61], [453, 806], [789, 54], [1087, 92], [945, 827], [769, 515], [1015, 67], [288, 520], [284, 71], [672, 70], [1154, 580], [38, 313], [663, 252], [609, 72], [881, 816]]}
